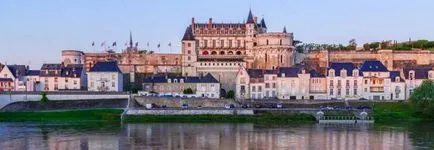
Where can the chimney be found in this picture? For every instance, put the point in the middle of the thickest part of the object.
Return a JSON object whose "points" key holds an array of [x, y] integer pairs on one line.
{"points": [[210, 22], [255, 19], [192, 21]]}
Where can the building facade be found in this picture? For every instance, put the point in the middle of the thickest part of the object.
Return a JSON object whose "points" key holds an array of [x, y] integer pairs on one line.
{"points": [[59, 77], [202, 86], [344, 81], [105, 76], [220, 48]]}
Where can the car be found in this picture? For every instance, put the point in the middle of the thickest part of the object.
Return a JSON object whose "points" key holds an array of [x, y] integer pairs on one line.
{"points": [[184, 106], [244, 106], [163, 106], [329, 108], [348, 107], [199, 106], [363, 107], [279, 105], [258, 106], [363, 98], [229, 106], [322, 107]]}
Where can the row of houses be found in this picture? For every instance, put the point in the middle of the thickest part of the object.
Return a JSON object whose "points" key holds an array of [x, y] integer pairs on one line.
{"points": [[342, 80], [104, 76]]}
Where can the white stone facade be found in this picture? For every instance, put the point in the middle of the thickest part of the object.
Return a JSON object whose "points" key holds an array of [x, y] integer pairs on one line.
{"points": [[105, 81]]}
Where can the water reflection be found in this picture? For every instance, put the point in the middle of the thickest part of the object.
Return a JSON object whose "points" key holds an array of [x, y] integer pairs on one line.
{"points": [[203, 136]]}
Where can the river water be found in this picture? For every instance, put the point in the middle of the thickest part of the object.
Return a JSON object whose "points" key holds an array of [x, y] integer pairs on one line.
{"points": [[225, 136]]}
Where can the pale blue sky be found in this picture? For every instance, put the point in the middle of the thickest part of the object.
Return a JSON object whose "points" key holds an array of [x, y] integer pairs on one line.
{"points": [[35, 31]]}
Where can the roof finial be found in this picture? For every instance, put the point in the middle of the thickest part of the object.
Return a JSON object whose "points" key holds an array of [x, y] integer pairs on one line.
{"points": [[131, 40], [284, 29]]}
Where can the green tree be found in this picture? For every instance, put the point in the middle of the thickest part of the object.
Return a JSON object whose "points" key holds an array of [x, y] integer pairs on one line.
{"points": [[230, 94], [188, 91], [44, 98], [422, 100]]}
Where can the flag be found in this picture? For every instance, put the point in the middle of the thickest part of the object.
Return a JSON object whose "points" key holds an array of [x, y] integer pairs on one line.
{"points": [[93, 43], [102, 44], [158, 45], [170, 44], [137, 44], [147, 44], [114, 43]]}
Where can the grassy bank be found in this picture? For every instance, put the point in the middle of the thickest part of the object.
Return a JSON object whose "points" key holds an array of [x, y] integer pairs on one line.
{"points": [[263, 118], [393, 113], [64, 116]]}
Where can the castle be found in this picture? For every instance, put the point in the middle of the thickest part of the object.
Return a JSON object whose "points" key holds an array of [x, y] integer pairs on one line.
{"points": [[221, 48]]}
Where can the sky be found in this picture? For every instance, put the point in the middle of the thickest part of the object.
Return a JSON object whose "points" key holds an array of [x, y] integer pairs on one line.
{"points": [[33, 32]]}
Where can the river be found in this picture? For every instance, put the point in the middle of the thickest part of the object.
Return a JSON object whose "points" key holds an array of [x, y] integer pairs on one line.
{"points": [[204, 136]]}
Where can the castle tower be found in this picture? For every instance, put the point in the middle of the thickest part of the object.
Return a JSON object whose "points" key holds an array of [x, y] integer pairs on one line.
{"points": [[189, 52], [250, 42]]}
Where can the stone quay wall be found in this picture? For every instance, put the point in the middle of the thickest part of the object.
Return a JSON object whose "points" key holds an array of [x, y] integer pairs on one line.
{"points": [[190, 112], [177, 102]]}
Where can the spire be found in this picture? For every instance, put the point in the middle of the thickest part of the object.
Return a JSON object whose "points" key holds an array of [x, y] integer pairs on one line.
{"points": [[131, 39], [263, 23], [284, 29], [250, 17], [188, 35]]}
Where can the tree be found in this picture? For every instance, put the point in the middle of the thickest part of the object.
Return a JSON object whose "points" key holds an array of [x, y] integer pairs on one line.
{"points": [[230, 94], [422, 99], [44, 98], [188, 91]]}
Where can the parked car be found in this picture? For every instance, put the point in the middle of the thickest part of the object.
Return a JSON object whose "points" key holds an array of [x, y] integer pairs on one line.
{"points": [[348, 107], [164, 106], [329, 108], [363, 98], [199, 106], [258, 106], [148, 106], [244, 106], [363, 107], [184, 106], [279, 105], [229, 106]]}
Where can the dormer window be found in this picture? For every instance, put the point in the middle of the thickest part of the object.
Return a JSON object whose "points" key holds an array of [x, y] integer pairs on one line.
{"points": [[331, 73], [397, 79], [67, 73], [46, 71], [181, 80], [355, 73], [283, 74], [343, 73], [175, 80], [169, 81], [411, 74], [56, 72]]}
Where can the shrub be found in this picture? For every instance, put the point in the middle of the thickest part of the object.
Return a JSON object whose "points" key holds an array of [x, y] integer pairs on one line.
{"points": [[422, 100], [188, 91], [230, 94], [44, 98]]}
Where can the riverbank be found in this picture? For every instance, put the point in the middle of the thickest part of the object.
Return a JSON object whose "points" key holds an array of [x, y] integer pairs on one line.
{"points": [[392, 113], [63, 116]]}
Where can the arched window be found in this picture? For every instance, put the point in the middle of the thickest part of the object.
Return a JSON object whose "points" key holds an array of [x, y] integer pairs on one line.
{"points": [[238, 52], [222, 52], [213, 53], [267, 42], [280, 41], [281, 59], [266, 57], [230, 53], [205, 53]]}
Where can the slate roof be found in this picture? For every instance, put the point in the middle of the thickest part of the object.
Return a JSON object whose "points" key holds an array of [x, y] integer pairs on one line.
{"points": [[250, 17], [163, 79], [314, 73], [188, 35], [33, 72], [259, 73], [20, 69], [105, 66], [394, 74], [284, 29], [338, 66], [49, 70], [289, 71], [5, 80], [373, 66], [419, 71], [263, 23]]}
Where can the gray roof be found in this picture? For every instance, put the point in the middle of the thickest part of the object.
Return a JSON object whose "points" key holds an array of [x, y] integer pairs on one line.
{"points": [[17, 70], [188, 35], [373, 66], [196, 79], [105, 66], [250, 17], [421, 72], [59, 70], [338, 66]]}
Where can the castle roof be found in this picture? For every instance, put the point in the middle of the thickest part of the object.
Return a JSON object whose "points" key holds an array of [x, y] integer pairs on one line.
{"points": [[250, 17], [188, 35], [338, 66], [420, 72], [263, 23]]}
